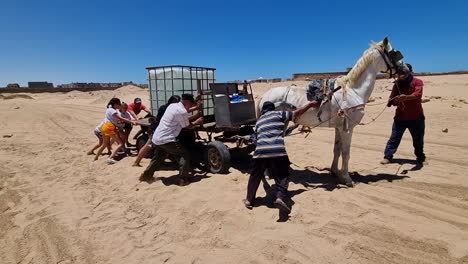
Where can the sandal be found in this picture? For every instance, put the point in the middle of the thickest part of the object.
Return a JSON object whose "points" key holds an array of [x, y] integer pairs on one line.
{"points": [[111, 161]]}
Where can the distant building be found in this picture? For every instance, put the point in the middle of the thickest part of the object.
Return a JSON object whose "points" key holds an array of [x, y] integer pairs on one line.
{"points": [[259, 80], [40, 85], [13, 85], [79, 85], [262, 80], [317, 75]]}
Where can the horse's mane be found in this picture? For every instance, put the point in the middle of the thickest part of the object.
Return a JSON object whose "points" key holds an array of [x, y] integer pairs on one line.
{"points": [[360, 66]]}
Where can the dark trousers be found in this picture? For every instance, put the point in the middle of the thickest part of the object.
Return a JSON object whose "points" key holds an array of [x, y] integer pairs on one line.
{"points": [[416, 128], [279, 171], [160, 153]]}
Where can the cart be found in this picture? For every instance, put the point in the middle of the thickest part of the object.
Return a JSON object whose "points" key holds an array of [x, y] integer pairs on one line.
{"points": [[229, 114]]}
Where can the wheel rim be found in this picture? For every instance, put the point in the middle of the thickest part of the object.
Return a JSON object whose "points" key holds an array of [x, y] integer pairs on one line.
{"points": [[214, 158]]}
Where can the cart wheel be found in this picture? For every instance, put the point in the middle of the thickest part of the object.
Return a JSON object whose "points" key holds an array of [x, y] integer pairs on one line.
{"points": [[218, 158]]}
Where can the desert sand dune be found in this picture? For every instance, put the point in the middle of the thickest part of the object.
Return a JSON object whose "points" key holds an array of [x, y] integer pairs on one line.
{"points": [[58, 206]]}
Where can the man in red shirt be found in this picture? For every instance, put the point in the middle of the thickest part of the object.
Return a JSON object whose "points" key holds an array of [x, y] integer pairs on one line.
{"points": [[406, 96], [136, 107]]}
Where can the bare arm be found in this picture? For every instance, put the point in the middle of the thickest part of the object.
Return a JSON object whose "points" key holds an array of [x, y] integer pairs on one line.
{"points": [[298, 112], [417, 94], [125, 120], [133, 114], [405, 97], [195, 116], [199, 106], [197, 122]]}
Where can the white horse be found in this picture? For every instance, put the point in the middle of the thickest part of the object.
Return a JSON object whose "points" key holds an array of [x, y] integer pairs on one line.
{"points": [[345, 108]]}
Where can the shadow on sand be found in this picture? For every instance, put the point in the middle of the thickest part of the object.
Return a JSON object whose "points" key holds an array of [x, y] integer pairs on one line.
{"points": [[270, 197], [242, 163], [312, 180], [168, 165], [417, 165], [173, 180]]}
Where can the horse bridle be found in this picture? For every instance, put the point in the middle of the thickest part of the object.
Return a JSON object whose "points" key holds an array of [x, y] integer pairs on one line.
{"points": [[391, 58]]}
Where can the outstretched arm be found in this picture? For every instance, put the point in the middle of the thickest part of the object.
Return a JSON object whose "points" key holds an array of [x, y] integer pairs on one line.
{"points": [[199, 121], [300, 111], [133, 114], [125, 120]]}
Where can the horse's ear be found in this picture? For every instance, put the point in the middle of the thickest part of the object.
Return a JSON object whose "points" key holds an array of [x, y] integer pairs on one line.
{"points": [[385, 41]]}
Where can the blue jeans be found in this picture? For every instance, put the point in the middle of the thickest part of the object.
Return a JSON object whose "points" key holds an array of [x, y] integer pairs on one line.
{"points": [[416, 128]]}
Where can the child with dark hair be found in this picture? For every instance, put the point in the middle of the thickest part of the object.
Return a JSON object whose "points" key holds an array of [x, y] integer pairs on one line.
{"points": [[109, 129], [124, 128], [98, 134]]}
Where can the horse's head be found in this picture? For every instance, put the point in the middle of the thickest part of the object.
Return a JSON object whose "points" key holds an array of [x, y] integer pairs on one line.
{"points": [[392, 58]]}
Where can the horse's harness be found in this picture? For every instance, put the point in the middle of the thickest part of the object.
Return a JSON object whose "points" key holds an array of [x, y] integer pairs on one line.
{"points": [[391, 58]]}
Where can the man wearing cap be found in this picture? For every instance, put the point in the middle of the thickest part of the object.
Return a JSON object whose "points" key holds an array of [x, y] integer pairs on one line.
{"points": [[406, 96], [270, 153], [136, 107], [165, 140]]}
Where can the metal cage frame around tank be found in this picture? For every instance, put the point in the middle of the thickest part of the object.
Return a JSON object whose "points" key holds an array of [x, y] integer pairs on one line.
{"points": [[165, 81]]}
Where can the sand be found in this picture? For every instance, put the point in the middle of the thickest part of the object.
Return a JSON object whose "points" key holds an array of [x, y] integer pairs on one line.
{"points": [[58, 206]]}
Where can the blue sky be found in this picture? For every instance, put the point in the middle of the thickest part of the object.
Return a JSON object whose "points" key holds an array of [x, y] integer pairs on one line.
{"points": [[112, 41]]}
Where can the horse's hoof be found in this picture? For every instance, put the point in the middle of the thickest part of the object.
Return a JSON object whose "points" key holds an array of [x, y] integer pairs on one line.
{"points": [[333, 174], [345, 180]]}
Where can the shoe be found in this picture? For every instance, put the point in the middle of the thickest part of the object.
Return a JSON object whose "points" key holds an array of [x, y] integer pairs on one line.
{"points": [[282, 206], [111, 161], [124, 151], [385, 161], [145, 178], [247, 204], [183, 182]]}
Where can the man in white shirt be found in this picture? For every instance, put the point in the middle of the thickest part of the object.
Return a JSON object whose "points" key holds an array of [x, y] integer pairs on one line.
{"points": [[164, 139]]}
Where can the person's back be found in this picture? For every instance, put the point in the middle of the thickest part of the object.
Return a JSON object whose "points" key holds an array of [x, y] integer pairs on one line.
{"points": [[109, 116], [270, 140], [270, 153], [174, 119]]}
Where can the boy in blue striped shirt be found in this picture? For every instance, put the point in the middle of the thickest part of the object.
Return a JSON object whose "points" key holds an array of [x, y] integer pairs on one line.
{"points": [[270, 152]]}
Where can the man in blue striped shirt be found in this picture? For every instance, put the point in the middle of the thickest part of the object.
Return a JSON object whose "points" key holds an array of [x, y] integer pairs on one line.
{"points": [[270, 152]]}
